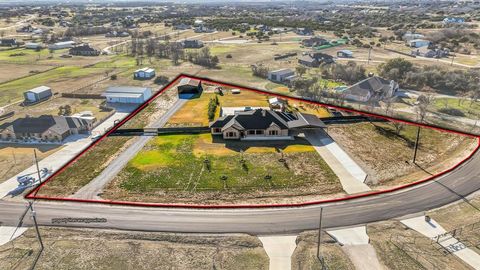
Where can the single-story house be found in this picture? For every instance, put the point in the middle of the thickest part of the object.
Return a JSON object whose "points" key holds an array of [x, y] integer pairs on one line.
{"points": [[262, 124], [8, 42], [371, 87], [410, 36], [281, 75], [181, 26], [44, 128], [192, 44], [37, 94], [144, 73], [189, 86], [127, 94], [33, 46], [304, 31], [84, 50], [345, 54], [314, 42], [277, 103], [61, 45], [314, 59], [417, 43]]}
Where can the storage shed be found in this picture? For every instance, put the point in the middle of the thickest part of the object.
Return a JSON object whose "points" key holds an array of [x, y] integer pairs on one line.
{"points": [[127, 94], [144, 73], [189, 86], [37, 94]]}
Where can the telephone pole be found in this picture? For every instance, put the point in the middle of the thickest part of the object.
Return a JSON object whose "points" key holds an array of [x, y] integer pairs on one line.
{"points": [[319, 256], [416, 146]]}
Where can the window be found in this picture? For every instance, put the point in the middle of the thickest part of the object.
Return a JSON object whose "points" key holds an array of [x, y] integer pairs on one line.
{"points": [[231, 134], [217, 130], [273, 132], [251, 132], [258, 132]]}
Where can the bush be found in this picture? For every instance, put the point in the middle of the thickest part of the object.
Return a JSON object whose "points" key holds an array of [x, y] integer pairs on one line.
{"points": [[161, 80], [228, 56], [212, 107], [452, 111], [113, 77]]}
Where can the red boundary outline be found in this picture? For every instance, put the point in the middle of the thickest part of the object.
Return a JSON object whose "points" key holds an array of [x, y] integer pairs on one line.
{"points": [[33, 194]]}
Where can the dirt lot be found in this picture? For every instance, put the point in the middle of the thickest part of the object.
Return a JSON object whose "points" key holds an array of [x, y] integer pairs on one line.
{"points": [[387, 157], [20, 71], [103, 249], [16, 158], [401, 248]]}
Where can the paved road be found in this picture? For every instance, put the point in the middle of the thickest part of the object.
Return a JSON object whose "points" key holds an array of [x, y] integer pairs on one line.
{"points": [[92, 189], [446, 189]]}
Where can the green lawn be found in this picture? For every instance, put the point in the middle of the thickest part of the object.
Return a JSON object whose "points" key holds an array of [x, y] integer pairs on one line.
{"points": [[169, 162], [13, 90], [471, 110]]}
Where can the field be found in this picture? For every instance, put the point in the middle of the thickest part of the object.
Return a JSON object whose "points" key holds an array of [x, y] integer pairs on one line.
{"points": [[387, 157], [107, 249], [20, 71], [175, 164], [469, 108]]}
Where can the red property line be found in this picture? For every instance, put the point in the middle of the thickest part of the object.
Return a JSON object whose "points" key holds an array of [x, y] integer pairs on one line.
{"points": [[33, 194]]}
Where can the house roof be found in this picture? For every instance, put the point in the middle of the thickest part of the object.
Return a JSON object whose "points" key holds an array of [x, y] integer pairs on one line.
{"points": [[370, 85], [346, 52], [39, 89], [283, 71], [125, 90], [263, 119], [146, 69], [44, 123], [307, 58], [82, 48], [188, 81]]}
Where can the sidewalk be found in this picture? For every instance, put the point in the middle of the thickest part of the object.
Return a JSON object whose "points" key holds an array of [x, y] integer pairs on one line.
{"points": [[8, 233], [279, 249], [432, 229], [350, 174], [356, 243]]}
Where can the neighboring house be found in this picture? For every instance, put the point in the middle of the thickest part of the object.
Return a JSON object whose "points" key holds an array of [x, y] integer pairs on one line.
{"points": [[191, 43], [144, 73], [61, 45], [261, 124], [371, 88], [181, 26], [314, 59], [203, 29], [418, 43], [33, 46], [84, 50], [304, 31], [189, 86], [431, 53], [8, 42], [277, 103], [345, 54], [314, 42], [37, 94], [44, 128], [451, 20], [127, 94], [411, 36], [281, 75]]}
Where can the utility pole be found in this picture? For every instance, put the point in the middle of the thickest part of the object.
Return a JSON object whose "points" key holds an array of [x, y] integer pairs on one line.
{"points": [[453, 57], [416, 145], [320, 258], [34, 216], [369, 52], [38, 168]]}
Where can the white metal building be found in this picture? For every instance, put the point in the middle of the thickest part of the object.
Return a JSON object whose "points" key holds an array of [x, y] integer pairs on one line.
{"points": [[144, 73], [37, 94], [127, 94], [61, 45]]}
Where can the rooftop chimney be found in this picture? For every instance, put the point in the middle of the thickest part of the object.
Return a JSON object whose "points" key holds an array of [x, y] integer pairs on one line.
{"points": [[264, 113]]}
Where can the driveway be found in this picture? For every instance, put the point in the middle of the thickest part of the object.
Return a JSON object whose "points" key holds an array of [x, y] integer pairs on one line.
{"points": [[92, 189], [350, 174]]}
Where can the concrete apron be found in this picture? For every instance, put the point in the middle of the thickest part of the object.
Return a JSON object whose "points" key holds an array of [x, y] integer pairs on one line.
{"points": [[279, 249], [8, 233], [432, 229], [356, 244]]}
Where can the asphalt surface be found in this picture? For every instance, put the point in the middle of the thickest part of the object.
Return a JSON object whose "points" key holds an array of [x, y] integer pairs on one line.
{"points": [[94, 187], [446, 189]]}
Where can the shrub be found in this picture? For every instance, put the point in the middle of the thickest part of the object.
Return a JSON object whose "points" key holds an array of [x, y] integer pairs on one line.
{"points": [[451, 111], [161, 80], [113, 77], [228, 56]]}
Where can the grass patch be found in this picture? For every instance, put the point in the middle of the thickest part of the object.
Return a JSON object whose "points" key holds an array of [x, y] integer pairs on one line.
{"points": [[177, 162], [469, 108]]}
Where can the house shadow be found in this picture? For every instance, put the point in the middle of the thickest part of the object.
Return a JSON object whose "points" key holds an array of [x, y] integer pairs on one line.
{"points": [[242, 146]]}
